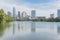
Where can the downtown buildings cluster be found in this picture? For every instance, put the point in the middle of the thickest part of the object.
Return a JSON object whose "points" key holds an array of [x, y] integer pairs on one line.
{"points": [[23, 15]]}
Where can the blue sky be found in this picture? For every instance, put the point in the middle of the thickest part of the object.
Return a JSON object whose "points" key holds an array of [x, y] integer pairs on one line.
{"points": [[42, 7], [38, 1], [30, 1]]}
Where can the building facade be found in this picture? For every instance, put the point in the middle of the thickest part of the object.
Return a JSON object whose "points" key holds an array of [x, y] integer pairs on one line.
{"points": [[14, 12], [33, 14], [19, 14], [23, 14], [58, 13]]}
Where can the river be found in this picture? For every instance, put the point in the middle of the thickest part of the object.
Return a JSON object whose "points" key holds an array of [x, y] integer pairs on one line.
{"points": [[30, 30]]}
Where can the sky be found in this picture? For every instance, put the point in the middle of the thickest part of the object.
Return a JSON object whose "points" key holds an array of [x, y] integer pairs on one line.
{"points": [[42, 7]]}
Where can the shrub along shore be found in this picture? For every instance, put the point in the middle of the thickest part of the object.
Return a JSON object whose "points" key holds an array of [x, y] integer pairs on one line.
{"points": [[40, 19]]}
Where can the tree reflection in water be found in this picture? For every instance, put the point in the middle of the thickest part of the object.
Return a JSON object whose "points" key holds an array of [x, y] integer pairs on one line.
{"points": [[3, 26]]}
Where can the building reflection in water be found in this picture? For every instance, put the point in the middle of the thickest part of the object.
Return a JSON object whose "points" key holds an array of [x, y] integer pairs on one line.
{"points": [[14, 25], [21, 25], [33, 25], [18, 26], [52, 26], [58, 28]]}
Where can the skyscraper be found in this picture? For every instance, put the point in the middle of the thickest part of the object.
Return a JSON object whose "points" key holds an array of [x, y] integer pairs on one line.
{"points": [[58, 13], [19, 14], [33, 14], [14, 12], [24, 14]]}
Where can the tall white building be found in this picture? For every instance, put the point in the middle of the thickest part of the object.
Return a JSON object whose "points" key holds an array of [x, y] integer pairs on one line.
{"points": [[58, 13], [14, 12], [33, 14]]}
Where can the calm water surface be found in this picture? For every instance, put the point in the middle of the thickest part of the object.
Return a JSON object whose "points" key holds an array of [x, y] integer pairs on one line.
{"points": [[29, 30]]}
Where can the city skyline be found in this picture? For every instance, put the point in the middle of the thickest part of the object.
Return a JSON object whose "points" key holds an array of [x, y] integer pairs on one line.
{"points": [[42, 7]]}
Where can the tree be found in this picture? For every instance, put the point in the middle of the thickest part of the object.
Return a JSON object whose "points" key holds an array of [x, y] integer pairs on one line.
{"points": [[4, 17]]}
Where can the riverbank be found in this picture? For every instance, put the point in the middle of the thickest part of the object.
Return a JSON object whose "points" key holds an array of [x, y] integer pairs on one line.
{"points": [[42, 20]]}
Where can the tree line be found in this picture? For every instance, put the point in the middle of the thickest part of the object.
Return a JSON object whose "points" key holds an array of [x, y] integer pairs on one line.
{"points": [[57, 19]]}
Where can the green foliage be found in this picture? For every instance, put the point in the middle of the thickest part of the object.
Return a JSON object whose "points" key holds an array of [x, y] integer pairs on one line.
{"points": [[4, 17], [8, 18], [57, 19], [53, 19], [48, 19]]}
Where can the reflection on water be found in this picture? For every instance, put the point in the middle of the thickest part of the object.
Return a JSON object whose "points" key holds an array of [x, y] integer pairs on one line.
{"points": [[22, 25], [30, 30], [18, 26], [3, 27], [14, 27], [33, 27], [58, 28]]}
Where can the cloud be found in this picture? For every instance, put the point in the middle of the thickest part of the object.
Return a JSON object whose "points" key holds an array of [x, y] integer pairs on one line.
{"points": [[43, 8]]}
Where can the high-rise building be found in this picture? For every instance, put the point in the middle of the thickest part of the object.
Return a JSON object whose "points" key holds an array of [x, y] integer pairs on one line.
{"points": [[51, 15], [33, 14], [58, 13], [24, 14], [14, 12], [9, 13], [19, 14]]}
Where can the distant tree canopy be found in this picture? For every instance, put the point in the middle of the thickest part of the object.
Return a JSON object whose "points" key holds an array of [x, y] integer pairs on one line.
{"points": [[4, 17]]}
